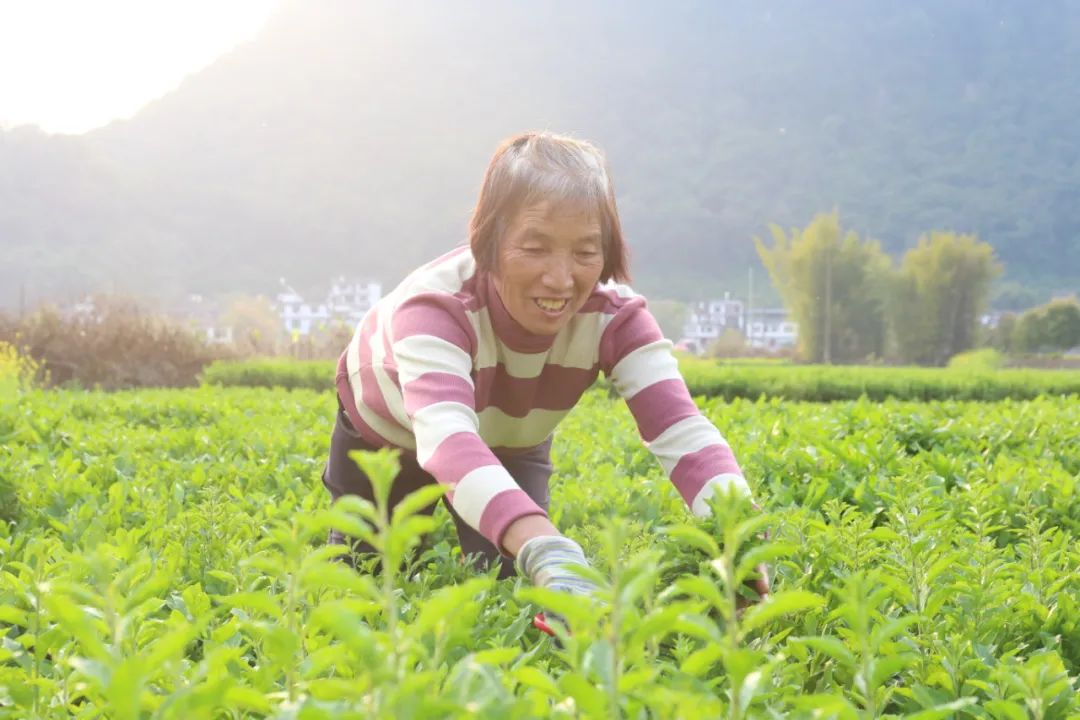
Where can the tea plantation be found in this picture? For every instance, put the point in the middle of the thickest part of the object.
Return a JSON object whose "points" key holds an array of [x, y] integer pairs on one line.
{"points": [[163, 556]]}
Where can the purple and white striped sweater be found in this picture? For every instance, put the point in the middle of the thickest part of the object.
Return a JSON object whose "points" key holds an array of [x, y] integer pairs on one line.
{"points": [[440, 367]]}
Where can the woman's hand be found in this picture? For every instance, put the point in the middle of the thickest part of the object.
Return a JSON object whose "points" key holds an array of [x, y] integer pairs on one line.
{"points": [[546, 561], [760, 585]]}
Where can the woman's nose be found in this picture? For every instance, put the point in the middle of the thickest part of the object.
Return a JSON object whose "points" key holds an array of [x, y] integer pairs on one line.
{"points": [[558, 275]]}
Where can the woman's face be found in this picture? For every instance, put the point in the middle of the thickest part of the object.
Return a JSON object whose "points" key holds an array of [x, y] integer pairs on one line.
{"points": [[550, 259]]}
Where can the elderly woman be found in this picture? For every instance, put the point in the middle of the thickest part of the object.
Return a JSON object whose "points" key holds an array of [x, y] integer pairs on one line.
{"points": [[471, 362]]}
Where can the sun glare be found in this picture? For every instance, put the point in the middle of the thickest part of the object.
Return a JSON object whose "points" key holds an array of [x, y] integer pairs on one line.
{"points": [[69, 66]]}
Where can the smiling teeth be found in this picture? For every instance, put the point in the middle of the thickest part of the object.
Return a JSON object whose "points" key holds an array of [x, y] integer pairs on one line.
{"points": [[551, 304]]}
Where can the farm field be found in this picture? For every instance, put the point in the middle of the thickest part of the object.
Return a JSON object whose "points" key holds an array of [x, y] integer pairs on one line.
{"points": [[162, 556]]}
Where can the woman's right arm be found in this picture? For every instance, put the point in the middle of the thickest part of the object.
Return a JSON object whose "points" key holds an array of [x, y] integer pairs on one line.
{"points": [[433, 347]]}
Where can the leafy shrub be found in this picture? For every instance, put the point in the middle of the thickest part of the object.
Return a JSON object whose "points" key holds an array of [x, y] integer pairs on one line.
{"points": [[116, 345], [978, 360]]}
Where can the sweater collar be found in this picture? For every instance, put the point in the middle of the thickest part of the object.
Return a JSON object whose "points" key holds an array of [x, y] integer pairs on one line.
{"points": [[508, 330]]}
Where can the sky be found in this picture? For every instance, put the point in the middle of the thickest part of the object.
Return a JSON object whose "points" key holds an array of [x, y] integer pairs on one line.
{"points": [[69, 66]]}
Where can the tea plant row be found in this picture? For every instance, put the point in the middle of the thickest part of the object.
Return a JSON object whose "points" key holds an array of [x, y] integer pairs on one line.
{"points": [[167, 560]]}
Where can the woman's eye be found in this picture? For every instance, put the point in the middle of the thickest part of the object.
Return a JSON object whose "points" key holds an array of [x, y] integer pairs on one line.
{"points": [[587, 254]]}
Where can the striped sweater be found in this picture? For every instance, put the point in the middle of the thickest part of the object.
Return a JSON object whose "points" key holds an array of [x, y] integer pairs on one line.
{"points": [[439, 367]]}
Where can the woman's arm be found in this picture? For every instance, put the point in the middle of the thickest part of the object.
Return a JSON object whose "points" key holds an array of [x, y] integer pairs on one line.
{"points": [[691, 450], [433, 352], [524, 529]]}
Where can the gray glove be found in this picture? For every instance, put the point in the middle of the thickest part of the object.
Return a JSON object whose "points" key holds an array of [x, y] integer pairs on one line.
{"points": [[544, 560]]}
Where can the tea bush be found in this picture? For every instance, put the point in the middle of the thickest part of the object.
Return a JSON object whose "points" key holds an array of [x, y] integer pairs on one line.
{"points": [[317, 375], [830, 383], [169, 562], [742, 380]]}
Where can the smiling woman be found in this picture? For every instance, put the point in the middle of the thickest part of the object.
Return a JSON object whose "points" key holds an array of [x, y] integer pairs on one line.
{"points": [[470, 364], [69, 66]]}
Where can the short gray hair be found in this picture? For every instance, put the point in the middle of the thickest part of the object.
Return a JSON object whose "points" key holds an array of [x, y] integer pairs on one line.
{"points": [[539, 167]]}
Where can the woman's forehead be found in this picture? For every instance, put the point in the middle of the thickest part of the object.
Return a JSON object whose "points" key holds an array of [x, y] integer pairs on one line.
{"points": [[546, 213]]}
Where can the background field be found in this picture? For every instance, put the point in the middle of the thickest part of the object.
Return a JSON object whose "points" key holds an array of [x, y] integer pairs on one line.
{"points": [[165, 555]]}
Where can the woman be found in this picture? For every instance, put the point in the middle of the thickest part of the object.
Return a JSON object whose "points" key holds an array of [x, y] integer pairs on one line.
{"points": [[471, 362]]}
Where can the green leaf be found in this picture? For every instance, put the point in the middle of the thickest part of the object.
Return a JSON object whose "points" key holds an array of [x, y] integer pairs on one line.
{"points": [[263, 602], [701, 661], [638, 678], [696, 586], [591, 701], [694, 537], [889, 665], [761, 554], [247, 698], [225, 577], [417, 501], [1005, 710], [748, 528], [14, 616], [339, 576], [537, 679], [830, 646], [836, 707], [444, 606], [170, 646], [125, 690], [940, 712], [749, 689], [83, 626], [497, 656], [892, 628], [777, 605], [598, 659], [577, 610]]}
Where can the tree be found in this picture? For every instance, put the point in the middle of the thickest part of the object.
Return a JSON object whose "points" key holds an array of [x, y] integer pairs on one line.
{"points": [[1000, 337], [831, 284], [1054, 326], [938, 294]]}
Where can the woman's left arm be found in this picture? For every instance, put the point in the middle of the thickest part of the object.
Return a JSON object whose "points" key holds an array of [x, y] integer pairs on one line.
{"points": [[692, 451]]}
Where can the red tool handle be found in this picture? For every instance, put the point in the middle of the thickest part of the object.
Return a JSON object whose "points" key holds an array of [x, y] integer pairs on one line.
{"points": [[540, 623]]}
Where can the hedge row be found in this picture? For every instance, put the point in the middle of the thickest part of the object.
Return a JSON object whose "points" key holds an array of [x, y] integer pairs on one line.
{"points": [[712, 379], [828, 383], [272, 372]]}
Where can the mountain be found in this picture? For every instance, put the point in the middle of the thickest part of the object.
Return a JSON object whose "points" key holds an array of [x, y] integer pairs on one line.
{"points": [[350, 138]]}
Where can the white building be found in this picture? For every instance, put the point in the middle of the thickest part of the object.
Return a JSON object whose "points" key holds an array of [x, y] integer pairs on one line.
{"points": [[708, 320], [765, 329], [771, 329], [347, 302]]}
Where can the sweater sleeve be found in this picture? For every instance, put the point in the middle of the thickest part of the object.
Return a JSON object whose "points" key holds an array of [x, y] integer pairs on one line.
{"points": [[433, 347], [638, 360]]}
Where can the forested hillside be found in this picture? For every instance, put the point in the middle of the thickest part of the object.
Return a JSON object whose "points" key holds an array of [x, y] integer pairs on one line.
{"points": [[351, 137]]}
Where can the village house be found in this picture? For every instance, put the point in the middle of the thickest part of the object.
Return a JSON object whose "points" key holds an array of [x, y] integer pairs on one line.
{"points": [[709, 319], [763, 328], [347, 301], [771, 329]]}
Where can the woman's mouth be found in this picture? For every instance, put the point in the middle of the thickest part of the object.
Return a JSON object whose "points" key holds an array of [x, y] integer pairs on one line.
{"points": [[552, 306]]}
